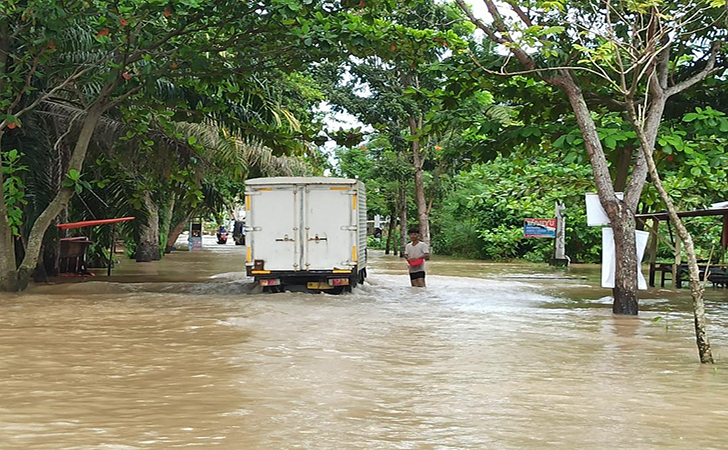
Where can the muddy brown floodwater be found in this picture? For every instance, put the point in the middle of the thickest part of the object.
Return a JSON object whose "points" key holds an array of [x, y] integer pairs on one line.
{"points": [[183, 353]]}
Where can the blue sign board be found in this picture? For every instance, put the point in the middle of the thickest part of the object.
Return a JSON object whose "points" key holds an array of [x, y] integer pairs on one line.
{"points": [[539, 228]]}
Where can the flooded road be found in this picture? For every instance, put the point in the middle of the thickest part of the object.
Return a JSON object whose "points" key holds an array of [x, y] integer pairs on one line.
{"points": [[488, 356]]}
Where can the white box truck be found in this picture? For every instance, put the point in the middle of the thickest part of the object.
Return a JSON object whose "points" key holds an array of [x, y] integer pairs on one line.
{"points": [[306, 231]]}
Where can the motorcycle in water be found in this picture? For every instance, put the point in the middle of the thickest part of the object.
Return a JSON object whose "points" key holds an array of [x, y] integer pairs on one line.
{"points": [[222, 236]]}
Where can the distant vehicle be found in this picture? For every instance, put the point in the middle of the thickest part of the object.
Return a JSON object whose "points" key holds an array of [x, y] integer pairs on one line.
{"points": [[306, 231], [239, 232]]}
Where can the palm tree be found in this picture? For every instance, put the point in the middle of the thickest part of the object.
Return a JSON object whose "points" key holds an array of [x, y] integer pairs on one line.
{"points": [[131, 180]]}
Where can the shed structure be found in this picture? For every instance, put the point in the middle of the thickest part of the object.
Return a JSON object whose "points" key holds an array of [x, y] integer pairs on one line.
{"points": [[675, 245]]}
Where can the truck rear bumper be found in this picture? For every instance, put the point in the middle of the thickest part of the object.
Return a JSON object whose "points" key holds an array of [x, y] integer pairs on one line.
{"points": [[292, 277]]}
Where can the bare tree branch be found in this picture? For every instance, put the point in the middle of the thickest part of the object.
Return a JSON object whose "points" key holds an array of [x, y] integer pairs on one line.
{"points": [[708, 70], [517, 9], [50, 93], [479, 23]]}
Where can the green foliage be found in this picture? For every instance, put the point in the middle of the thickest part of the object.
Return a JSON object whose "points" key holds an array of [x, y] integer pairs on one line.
{"points": [[483, 212], [347, 138], [379, 169], [73, 179], [13, 188], [692, 154], [376, 244]]}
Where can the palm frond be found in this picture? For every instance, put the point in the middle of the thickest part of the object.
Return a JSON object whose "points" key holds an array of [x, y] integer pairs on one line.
{"points": [[499, 113]]}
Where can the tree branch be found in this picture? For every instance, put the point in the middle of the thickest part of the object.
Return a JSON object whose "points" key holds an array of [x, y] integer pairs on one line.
{"points": [[50, 93], [517, 9], [522, 56], [708, 70], [479, 23], [122, 97]]}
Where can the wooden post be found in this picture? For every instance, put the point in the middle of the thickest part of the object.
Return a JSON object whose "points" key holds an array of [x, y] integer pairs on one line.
{"points": [[560, 241], [112, 249], [653, 250], [724, 236], [560, 258]]}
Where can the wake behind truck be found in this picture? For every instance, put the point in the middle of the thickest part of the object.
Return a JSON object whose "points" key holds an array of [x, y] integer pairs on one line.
{"points": [[306, 231]]}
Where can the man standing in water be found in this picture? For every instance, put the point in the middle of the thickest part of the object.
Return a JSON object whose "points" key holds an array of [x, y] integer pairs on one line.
{"points": [[416, 252]]}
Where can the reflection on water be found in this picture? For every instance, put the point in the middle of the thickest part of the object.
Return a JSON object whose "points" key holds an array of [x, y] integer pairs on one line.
{"points": [[488, 356]]}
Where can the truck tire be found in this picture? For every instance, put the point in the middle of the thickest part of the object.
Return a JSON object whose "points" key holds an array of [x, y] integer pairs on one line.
{"points": [[274, 289]]}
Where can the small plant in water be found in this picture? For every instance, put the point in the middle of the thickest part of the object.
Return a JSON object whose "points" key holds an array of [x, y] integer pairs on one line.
{"points": [[659, 318]]}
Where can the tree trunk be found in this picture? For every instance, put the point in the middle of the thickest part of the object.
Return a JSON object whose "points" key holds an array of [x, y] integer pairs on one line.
{"points": [[35, 239], [625, 276], [621, 212], [8, 277], [390, 230], [168, 224], [647, 141], [421, 199], [624, 162], [402, 218], [148, 247], [176, 231], [422, 214]]}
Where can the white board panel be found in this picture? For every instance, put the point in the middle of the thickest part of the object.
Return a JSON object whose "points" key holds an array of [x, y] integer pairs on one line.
{"points": [[595, 214], [609, 260]]}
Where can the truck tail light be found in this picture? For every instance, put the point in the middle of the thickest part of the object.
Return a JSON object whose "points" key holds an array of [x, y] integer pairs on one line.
{"points": [[270, 282], [338, 281]]}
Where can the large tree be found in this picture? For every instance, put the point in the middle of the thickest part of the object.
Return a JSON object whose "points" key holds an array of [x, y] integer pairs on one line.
{"points": [[31, 34], [631, 55], [398, 81]]}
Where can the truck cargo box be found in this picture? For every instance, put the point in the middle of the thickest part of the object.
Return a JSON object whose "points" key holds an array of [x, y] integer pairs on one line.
{"points": [[306, 231]]}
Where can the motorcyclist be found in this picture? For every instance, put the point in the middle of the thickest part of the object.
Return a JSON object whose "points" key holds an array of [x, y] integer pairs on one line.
{"points": [[222, 235]]}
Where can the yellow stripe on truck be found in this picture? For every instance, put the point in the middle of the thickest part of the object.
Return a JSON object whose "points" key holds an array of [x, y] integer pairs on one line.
{"points": [[353, 204], [339, 188], [247, 202], [353, 253], [250, 254]]}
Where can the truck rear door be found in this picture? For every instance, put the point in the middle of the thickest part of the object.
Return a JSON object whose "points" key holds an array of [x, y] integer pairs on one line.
{"points": [[275, 237], [329, 227]]}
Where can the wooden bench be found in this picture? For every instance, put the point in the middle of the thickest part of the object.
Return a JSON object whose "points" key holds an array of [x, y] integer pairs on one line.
{"points": [[73, 255], [718, 278], [717, 275]]}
